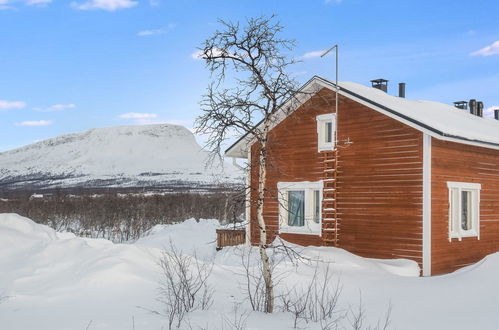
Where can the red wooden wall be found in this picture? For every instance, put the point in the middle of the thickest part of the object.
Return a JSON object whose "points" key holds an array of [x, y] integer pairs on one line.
{"points": [[380, 179], [462, 163]]}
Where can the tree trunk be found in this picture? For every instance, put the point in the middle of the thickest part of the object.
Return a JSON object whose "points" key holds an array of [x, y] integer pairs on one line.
{"points": [[266, 268]]}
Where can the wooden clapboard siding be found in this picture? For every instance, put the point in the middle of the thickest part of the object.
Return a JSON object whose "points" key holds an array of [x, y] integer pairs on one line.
{"points": [[293, 156], [380, 184], [462, 163]]}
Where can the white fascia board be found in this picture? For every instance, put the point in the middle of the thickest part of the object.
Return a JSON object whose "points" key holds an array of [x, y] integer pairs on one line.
{"points": [[426, 205]]}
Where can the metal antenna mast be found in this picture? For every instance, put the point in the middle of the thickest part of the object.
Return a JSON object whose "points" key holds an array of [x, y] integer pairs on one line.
{"points": [[336, 48]]}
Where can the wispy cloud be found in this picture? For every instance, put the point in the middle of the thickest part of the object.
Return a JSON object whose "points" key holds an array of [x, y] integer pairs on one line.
{"points": [[55, 107], [109, 5], [137, 115], [33, 123], [8, 4], [163, 30], [198, 55], [8, 105], [38, 2], [333, 1], [312, 54], [154, 3], [492, 49]]}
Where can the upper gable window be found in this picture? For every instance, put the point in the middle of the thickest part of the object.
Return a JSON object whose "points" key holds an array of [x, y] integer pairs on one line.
{"points": [[464, 209], [326, 131]]}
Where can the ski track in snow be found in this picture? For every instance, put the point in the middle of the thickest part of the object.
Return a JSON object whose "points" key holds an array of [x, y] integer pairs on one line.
{"points": [[59, 281]]}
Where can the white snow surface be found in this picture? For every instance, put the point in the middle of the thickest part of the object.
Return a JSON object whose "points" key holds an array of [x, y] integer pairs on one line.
{"points": [[59, 281], [129, 154], [443, 117]]}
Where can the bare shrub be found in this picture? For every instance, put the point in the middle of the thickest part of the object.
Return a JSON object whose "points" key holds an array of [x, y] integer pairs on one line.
{"points": [[184, 285], [237, 321], [316, 302], [121, 217], [357, 316]]}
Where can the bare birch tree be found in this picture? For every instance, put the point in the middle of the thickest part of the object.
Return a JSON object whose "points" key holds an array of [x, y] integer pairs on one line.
{"points": [[249, 86]]}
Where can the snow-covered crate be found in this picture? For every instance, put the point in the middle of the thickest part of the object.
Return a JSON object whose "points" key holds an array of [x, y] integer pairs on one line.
{"points": [[230, 237]]}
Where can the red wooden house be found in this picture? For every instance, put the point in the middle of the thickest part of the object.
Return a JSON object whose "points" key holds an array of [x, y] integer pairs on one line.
{"points": [[381, 176]]}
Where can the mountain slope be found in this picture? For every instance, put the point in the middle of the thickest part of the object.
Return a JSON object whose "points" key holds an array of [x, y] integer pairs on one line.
{"points": [[129, 156]]}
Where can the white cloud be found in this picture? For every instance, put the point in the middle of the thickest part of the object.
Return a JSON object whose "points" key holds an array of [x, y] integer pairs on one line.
{"points": [[333, 1], [154, 2], [492, 49], [56, 107], [315, 53], [4, 4], [137, 115], [147, 33], [198, 55], [31, 123], [8, 105], [109, 5], [7, 4], [38, 2]]}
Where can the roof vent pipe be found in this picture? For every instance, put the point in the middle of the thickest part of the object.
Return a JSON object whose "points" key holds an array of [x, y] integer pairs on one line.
{"points": [[473, 107], [402, 90], [496, 114], [381, 84]]}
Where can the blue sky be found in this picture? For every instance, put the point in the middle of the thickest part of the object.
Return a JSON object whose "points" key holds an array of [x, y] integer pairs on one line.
{"points": [[67, 66]]}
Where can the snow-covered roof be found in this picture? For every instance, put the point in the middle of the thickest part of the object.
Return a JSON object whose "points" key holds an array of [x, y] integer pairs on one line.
{"points": [[439, 120]]}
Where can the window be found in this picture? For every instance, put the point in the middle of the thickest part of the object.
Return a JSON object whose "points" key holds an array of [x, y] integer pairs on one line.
{"points": [[300, 207], [464, 210], [326, 127]]}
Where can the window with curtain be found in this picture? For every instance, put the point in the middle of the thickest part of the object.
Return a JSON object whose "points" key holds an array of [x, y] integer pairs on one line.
{"points": [[300, 207], [296, 208]]}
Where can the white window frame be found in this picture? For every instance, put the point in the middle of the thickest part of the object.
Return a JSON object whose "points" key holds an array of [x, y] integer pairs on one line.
{"points": [[455, 228], [310, 227], [322, 120]]}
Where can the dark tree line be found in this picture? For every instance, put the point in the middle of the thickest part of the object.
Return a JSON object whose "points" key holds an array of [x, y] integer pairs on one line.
{"points": [[123, 217]]}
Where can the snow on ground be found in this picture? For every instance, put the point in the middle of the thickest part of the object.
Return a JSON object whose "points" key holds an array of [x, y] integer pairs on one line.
{"points": [[59, 281]]}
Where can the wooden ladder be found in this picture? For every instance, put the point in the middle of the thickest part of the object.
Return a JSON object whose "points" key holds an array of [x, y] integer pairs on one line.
{"points": [[329, 207]]}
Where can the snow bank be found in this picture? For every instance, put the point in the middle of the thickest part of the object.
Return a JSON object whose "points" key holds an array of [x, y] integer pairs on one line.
{"points": [[59, 281], [191, 237]]}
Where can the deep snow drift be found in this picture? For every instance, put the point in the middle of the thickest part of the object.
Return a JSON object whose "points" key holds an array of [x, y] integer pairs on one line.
{"points": [[124, 156], [59, 281]]}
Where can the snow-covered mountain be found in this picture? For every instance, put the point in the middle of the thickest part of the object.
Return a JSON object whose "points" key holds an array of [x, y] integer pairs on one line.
{"points": [[124, 156]]}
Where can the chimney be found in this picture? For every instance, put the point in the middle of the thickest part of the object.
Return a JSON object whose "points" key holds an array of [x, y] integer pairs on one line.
{"points": [[496, 114], [479, 109], [473, 107], [463, 105], [402, 90], [381, 84]]}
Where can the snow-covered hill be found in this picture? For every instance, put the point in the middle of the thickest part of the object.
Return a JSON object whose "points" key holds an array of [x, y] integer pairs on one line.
{"points": [[125, 156]]}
